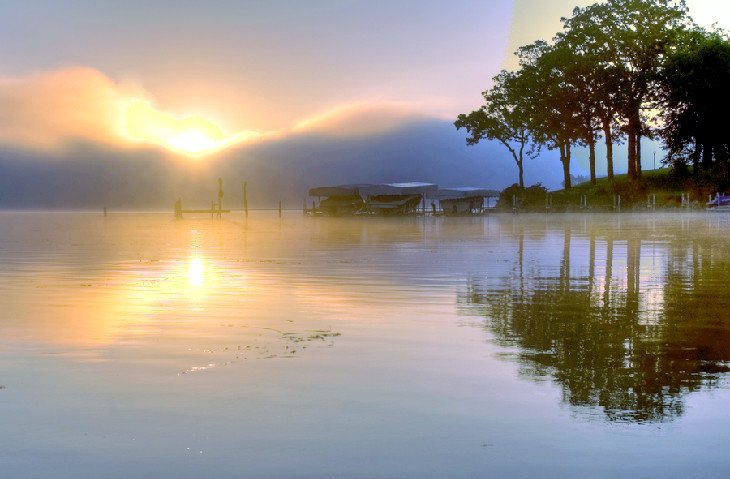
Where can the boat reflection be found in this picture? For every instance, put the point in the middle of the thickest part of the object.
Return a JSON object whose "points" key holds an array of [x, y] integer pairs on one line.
{"points": [[624, 324]]}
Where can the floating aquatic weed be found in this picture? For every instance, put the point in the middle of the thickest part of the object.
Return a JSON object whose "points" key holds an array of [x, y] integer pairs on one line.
{"points": [[272, 350]]}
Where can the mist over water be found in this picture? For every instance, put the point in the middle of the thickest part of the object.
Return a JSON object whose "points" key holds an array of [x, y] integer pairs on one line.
{"points": [[134, 345]]}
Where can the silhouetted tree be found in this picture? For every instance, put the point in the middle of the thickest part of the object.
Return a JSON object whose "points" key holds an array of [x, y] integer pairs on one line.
{"points": [[633, 39], [502, 118], [600, 74], [554, 103], [697, 101], [598, 83]]}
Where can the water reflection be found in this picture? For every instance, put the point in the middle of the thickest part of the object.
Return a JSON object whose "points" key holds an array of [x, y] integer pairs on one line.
{"points": [[196, 271], [137, 289], [630, 320]]}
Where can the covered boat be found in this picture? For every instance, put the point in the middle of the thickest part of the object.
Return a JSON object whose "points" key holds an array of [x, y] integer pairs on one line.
{"points": [[465, 200], [398, 198], [337, 200], [719, 203]]}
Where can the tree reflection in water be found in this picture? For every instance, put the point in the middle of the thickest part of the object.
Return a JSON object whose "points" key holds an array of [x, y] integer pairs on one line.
{"points": [[632, 328]]}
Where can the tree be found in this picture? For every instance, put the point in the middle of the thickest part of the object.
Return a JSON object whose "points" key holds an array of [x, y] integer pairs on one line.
{"points": [[598, 82], [554, 113], [696, 101], [502, 118], [632, 39]]}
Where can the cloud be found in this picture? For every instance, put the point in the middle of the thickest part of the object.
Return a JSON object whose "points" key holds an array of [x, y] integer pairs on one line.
{"points": [[46, 110], [192, 135], [360, 119], [52, 109], [56, 109]]}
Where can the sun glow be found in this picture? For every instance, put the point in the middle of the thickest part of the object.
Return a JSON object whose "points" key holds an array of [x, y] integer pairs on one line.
{"points": [[196, 271], [191, 135]]}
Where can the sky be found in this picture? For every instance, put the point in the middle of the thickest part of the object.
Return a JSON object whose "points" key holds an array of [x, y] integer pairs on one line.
{"points": [[194, 78], [255, 66]]}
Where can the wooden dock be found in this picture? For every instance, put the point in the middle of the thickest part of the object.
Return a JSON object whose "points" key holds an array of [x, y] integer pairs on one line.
{"points": [[212, 212]]}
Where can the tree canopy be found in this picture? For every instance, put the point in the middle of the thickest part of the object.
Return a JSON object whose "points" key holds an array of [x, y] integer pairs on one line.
{"points": [[618, 69], [696, 100]]}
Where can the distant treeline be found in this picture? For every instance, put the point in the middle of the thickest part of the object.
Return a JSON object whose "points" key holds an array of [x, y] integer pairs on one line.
{"points": [[618, 71]]}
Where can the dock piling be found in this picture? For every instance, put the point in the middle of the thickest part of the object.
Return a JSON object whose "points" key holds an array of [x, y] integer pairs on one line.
{"points": [[245, 198]]}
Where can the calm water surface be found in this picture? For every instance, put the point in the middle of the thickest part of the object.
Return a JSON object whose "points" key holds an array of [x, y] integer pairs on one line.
{"points": [[531, 346]]}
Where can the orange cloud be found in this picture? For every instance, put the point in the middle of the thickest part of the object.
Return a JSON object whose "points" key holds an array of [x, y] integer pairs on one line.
{"points": [[355, 119], [50, 109], [192, 135]]}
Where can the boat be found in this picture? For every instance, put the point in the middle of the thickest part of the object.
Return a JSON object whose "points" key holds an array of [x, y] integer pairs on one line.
{"points": [[336, 201], [397, 199], [719, 203], [393, 205], [465, 200]]}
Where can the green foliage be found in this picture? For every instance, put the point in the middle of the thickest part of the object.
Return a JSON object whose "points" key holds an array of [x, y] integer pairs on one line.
{"points": [[531, 198], [602, 74], [665, 184], [697, 99], [503, 118]]}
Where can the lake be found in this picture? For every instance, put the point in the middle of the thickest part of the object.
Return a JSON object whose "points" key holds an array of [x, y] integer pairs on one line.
{"points": [[136, 345]]}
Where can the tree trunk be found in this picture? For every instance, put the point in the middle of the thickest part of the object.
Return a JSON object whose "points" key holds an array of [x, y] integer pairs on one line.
{"points": [[565, 159], [609, 147], [638, 154], [521, 157], [592, 158], [696, 159], [632, 148], [706, 157]]}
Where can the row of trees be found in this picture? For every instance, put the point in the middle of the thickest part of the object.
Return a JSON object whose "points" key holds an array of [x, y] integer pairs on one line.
{"points": [[618, 71]]}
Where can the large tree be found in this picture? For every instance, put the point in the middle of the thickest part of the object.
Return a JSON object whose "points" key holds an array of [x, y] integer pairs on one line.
{"points": [[632, 39], [554, 114], [502, 118], [598, 83], [600, 75], [697, 100]]}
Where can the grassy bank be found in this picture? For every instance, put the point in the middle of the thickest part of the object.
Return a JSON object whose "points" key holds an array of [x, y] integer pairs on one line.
{"points": [[664, 185]]}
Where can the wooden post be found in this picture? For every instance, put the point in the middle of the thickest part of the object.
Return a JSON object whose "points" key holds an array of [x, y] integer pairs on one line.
{"points": [[178, 209], [220, 197], [245, 198], [279, 208]]}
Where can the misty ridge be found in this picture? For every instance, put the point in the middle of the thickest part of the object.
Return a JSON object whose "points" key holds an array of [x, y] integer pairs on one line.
{"points": [[90, 176]]}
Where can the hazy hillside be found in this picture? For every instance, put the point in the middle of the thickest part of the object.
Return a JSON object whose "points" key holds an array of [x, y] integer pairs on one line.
{"points": [[90, 177]]}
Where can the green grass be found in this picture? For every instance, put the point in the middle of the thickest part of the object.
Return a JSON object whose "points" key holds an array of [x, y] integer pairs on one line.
{"points": [[667, 186]]}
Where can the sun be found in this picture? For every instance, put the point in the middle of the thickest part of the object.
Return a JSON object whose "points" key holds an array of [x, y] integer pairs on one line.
{"points": [[192, 141], [192, 135]]}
